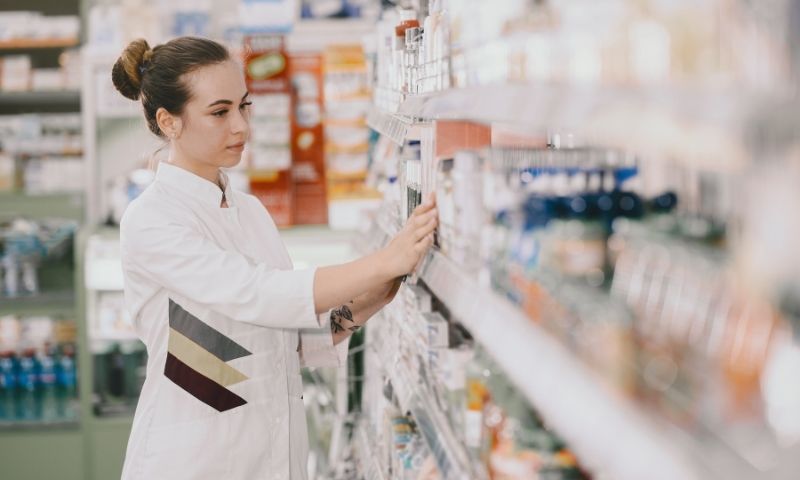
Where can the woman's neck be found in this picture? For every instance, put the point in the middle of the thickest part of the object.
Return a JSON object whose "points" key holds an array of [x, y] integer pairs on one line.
{"points": [[209, 172]]}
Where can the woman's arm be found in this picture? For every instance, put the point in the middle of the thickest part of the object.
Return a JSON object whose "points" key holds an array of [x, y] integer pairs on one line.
{"points": [[338, 285], [349, 318]]}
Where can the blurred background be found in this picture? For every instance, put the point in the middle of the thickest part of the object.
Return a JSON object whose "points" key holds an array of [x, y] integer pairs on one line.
{"points": [[615, 287]]}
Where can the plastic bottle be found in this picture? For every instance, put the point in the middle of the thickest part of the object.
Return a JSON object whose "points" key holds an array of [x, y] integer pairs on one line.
{"points": [[27, 382], [411, 61], [408, 19], [66, 379], [8, 383], [47, 383]]}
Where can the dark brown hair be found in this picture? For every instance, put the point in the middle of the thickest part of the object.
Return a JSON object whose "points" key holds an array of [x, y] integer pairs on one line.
{"points": [[157, 75]]}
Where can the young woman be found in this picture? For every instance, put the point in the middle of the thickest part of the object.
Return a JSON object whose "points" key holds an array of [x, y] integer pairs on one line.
{"points": [[226, 320]]}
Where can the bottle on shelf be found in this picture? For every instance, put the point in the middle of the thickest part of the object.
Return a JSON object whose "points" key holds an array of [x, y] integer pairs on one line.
{"points": [[67, 382], [47, 383], [408, 19], [27, 386], [8, 385]]}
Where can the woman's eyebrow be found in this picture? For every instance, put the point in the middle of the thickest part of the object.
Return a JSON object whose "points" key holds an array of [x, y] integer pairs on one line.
{"points": [[220, 102], [226, 102]]}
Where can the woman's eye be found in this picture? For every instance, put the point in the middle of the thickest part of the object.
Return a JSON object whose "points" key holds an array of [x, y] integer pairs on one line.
{"points": [[244, 105], [219, 113]]}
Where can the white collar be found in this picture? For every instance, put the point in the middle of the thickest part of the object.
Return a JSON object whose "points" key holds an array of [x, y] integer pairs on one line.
{"points": [[194, 185]]}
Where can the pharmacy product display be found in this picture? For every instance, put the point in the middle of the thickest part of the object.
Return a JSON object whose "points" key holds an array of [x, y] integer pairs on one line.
{"points": [[119, 358], [637, 286], [23, 31], [38, 371], [438, 407], [41, 153], [29, 248], [594, 242]]}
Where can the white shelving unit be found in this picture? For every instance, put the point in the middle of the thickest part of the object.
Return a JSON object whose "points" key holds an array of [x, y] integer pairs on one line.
{"points": [[700, 127], [451, 457], [600, 425], [370, 464]]}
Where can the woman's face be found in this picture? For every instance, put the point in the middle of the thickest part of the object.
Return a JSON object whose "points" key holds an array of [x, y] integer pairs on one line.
{"points": [[215, 123]]}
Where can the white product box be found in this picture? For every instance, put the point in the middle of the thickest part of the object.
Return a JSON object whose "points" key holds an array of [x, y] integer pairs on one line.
{"points": [[47, 79], [15, 73]]}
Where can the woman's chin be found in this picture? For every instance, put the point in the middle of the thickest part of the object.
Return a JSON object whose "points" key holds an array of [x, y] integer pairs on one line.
{"points": [[231, 160]]}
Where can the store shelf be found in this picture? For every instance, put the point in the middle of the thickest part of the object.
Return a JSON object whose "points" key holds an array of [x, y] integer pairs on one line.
{"points": [[452, 459], [53, 153], [98, 336], [700, 127], [600, 425], [47, 304], [33, 43], [397, 128], [50, 98], [371, 467], [56, 205], [37, 425]]}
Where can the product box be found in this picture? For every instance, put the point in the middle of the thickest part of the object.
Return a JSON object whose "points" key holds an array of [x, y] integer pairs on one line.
{"points": [[308, 139], [266, 64], [47, 79], [275, 191], [269, 151], [15, 73]]}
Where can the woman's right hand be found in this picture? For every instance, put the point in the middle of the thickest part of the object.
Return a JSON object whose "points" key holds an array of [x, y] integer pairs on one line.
{"points": [[413, 241]]}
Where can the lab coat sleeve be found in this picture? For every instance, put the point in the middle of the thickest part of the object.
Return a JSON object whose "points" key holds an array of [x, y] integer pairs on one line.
{"points": [[317, 349], [177, 257]]}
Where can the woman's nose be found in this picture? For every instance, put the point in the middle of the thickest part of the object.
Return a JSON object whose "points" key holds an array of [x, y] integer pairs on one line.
{"points": [[240, 123]]}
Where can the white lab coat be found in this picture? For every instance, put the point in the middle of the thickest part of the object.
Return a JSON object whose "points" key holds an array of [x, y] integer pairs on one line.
{"points": [[227, 323]]}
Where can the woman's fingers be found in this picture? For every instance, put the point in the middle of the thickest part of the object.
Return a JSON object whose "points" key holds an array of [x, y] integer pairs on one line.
{"points": [[427, 225], [425, 207]]}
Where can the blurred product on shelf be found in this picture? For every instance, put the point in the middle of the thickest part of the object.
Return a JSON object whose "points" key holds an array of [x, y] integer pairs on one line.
{"points": [[308, 139], [347, 100], [119, 371], [38, 371], [17, 73], [19, 27], [269, 152], [627, 43], [42, 153], [119, 359], [124, 189], [26, 245], [339, 9], [460, 407]]}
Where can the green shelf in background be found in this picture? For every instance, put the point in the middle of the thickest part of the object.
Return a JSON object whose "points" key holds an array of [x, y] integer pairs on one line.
{"points": [[55, 303], [33, 425], [56, 101], [57, 205]]}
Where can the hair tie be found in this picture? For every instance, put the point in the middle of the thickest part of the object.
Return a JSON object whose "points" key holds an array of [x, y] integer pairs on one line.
{"points": [[143, 66]]}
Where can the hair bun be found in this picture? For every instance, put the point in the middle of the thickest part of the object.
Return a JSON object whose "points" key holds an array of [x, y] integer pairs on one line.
{"points": [[127, 71]]}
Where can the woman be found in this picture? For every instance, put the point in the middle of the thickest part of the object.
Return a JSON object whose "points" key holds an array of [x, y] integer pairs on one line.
{"points": [[226, 320]]}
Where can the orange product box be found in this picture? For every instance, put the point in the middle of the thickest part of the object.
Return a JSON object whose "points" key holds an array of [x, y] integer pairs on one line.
{"points": [[308, 139], [266, 64], [275, 190]]}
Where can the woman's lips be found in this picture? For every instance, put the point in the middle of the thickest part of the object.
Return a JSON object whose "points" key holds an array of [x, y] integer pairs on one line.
{"points": [[239, 147]]}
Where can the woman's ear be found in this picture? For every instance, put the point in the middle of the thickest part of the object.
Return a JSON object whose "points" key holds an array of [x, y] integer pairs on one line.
{"points": [[169, 124]]}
